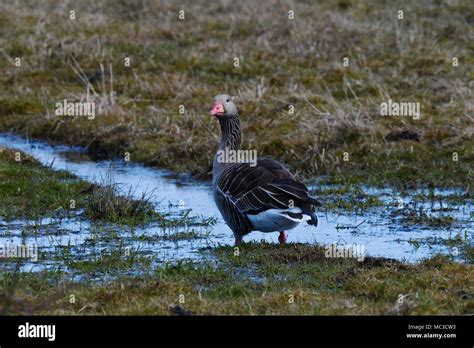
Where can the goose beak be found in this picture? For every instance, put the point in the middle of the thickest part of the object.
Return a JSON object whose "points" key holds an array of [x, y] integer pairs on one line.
{"points": [[217, 109]]}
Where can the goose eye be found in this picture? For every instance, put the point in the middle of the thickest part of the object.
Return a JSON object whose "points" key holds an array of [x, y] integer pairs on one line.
{"points": [[228, 100]]}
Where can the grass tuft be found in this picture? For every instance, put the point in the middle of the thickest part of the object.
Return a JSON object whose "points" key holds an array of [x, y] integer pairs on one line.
{"points": [[108, 202]]}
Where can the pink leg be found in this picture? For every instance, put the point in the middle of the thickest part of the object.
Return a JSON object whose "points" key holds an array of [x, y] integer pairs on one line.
{"points": [[282, 237], [238, 240]]}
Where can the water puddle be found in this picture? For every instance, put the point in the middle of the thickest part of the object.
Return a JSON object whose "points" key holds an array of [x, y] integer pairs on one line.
{"points": [[381, 231]]}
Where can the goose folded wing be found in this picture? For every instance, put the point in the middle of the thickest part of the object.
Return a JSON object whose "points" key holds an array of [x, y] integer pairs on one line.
{"points": [[281, 194], [238, 179]]}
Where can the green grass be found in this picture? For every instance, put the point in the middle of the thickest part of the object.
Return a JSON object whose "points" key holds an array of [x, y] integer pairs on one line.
{"points": [[108, 202], [348, 198], [420, 216], [29, 190], [263, 279], [295, 63]]}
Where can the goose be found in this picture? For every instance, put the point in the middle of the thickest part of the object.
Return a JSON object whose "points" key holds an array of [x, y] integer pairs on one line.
{"points": [[262, 196]]}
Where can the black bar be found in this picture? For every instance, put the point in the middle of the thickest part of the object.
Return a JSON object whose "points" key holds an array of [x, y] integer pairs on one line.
{"points": [[240, 329]]}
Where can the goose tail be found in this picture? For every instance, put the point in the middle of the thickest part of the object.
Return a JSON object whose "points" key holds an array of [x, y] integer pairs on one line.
{"points": [[309, 208]]}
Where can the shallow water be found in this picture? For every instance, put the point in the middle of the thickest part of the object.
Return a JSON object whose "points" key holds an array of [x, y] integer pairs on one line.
{"points": [[378, 232]]}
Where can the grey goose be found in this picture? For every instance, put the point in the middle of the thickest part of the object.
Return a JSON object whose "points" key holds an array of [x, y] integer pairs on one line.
{"points": [[262, 196]]}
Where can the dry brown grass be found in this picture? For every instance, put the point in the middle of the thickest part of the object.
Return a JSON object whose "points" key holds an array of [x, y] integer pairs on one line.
{"points": [[283, 62]]}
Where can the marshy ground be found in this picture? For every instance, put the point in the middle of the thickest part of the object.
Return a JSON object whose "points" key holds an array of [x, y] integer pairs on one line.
{"points": [[263, 279], [156, 112], [108, 269]]}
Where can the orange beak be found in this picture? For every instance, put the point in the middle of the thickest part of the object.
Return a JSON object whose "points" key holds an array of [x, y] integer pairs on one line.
{"points": [[217, 109]]}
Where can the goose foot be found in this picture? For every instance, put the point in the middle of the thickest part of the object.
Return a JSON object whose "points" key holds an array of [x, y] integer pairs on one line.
{"points": [[282, 237]]}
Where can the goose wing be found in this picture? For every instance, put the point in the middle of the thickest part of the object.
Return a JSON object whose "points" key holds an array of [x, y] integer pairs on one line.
{"points": [[265, 186]]}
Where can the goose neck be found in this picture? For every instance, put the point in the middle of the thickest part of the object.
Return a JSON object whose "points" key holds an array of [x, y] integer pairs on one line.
{"points": [[231, 134]]}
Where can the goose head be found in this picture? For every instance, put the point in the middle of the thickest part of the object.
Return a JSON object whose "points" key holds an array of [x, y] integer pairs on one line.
{"points": [[223, 106]]}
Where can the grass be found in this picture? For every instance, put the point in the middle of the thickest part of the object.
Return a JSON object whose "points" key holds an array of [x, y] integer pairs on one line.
{"points": [[282, 62], [467, 251], [348, 198], [263, 279], [108, 202], [191, 234], [420, 216], [461, 244], [30, 190]]}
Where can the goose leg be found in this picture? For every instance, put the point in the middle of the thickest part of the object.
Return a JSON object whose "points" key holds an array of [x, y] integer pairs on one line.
{"points": [[282, 237], [238, 240]]}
